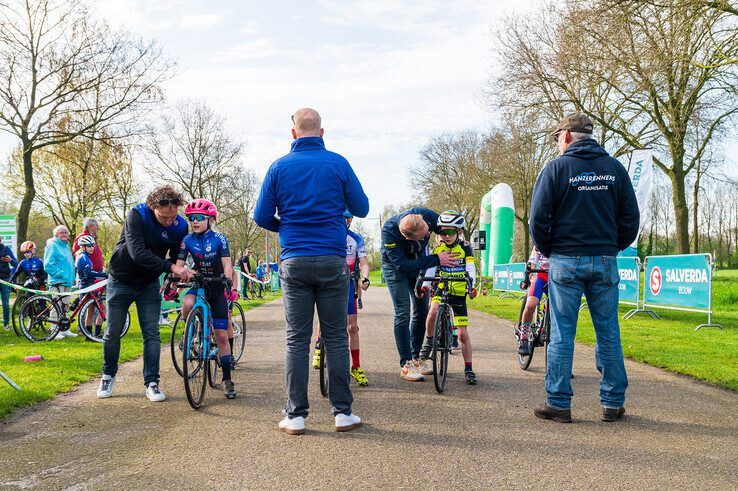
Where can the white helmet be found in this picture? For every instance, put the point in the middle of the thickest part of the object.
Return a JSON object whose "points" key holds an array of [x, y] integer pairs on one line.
{"points": [[86, 240], [451, 218]]}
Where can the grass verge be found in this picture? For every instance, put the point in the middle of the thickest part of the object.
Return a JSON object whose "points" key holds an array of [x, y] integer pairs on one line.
{"points": [[66, 364], [671, 342]]}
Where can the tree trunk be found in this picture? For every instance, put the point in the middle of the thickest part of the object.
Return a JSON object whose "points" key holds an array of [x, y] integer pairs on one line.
{"points": [[25, 208], [681, 212]]}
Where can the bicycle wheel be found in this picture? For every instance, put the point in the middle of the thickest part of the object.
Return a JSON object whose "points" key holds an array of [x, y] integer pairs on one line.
{"points": [[238, 318], [323, 370], [194, 361], [260, 291], [90, 308], [15, 313], [441, 347], [213, 365], [546, 333], [176, 343], [40, 318], [524, 360]]}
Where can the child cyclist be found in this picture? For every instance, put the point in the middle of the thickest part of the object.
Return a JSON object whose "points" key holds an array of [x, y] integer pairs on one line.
{"points": [[212, 258], [538, 285], [87, 277], [451, 223], [31, 266]]}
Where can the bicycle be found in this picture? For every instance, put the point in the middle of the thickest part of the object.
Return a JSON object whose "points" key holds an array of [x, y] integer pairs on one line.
{"points": [[540, 329], [444, 326], [199, 352], [238, 322], [43, 316], [20, 297]]}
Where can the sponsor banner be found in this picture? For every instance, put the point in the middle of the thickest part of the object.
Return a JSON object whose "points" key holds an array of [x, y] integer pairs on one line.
{"points": [[630, 274], [515, 274], [640, 170], [678, 281], [499, 277], [9, 233]]}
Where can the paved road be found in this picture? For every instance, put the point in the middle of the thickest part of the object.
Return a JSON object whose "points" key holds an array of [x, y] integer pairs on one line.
{"points": [[678, 433]]}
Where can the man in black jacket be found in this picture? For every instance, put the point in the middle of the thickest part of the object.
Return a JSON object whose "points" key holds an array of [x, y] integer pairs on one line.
{"points": [[583, 212], [152, 230]]}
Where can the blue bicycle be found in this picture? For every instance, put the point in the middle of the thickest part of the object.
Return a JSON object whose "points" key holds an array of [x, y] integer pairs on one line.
{"points": [[200, 356]]}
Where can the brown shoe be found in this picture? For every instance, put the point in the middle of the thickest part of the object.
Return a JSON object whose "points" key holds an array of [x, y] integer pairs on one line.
{"points": [[611, 414], [544, 411]]}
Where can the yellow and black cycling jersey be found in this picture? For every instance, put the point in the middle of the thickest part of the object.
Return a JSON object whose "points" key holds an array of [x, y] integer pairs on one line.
{"points": [[465, 253]]}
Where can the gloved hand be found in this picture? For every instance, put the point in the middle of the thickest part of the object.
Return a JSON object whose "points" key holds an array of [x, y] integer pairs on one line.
{"points": [[171, 295], [231, 295], [472, 293], [420, 292]]}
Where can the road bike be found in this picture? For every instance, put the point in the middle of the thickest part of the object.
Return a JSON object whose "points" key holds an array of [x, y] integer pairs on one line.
{"points": [[540, 328], [237, 318], [444, 325], [43, 316]]}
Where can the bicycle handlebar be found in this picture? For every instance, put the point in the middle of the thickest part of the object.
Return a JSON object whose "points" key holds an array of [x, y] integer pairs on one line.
{"points": [[446, 279], [525, 284]]}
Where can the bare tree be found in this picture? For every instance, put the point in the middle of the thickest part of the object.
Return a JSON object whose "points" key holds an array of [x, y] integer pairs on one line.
{"points": [[59, 64]]}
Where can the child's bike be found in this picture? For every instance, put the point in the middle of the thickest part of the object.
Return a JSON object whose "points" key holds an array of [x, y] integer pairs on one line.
{"points": [[442, 337], [540, 328]]}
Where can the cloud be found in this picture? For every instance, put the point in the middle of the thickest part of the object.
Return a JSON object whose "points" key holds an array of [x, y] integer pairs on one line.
{"points": [[196, 21]]}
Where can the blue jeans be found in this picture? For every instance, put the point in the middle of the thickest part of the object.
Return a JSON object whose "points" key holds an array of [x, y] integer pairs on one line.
{"points": [[5, 294], [409, 330], [597, 278], [309, 282], [120, 297]]}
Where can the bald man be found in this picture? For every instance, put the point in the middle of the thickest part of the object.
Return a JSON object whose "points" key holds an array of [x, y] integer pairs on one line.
{"points": [[303, 198]]}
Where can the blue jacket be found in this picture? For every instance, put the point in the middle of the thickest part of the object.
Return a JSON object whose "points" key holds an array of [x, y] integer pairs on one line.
{"points": [[58, 262], [310, 188], [33, 267], [408, 257], [86, 274], [583, 204], [7, 268]]}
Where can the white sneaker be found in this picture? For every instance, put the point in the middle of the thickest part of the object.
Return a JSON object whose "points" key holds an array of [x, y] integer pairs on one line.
{"points": [[410, 372], [59, 335], [106, 387], [68, 333], [154, 394], [294, 426], [426, 368], [346, 422]]}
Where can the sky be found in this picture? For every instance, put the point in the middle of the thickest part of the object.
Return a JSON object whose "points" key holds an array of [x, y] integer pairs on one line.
{"points": [[386, 76]]}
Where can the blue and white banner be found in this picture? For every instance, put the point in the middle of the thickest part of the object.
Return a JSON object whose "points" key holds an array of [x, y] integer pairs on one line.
{"points": [[630, 275], [500, 279], [640, 170], [680, 281]]}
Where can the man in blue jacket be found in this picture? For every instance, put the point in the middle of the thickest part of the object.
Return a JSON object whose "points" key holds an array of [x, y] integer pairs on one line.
{"points": [[7, 264], [404, 255], [303, 197], [583, 212]]}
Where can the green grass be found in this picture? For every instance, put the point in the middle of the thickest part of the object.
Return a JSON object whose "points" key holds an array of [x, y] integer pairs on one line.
{"points": [[670, 343], [376, 277], [66, 364]]}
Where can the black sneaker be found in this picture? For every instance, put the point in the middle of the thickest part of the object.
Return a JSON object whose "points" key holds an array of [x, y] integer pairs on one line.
{"points": [[471, 378], [229, 388], [611, 414], [524, 347], [544, 411]]}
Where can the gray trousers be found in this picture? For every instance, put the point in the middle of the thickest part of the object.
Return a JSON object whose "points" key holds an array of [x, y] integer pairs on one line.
{"points": [[308, 282]]}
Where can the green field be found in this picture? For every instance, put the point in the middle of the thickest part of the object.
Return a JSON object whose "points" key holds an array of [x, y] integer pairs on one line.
{"points": [[66, 364], [671, 343]]}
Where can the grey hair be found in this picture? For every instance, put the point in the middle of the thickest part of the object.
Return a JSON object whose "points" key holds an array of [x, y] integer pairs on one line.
{"points": [[59, 228], [575, 136], [90, 222]]}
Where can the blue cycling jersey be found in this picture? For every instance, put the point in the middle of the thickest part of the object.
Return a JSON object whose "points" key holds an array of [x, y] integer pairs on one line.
{"points": [[85, 273], [206, 250], [33, 267]]}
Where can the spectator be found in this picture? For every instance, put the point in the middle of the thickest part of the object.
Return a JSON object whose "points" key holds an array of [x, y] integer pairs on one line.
{"points": [[246, 264], [311, 188], [582, 213], [7, 263], [91, 226], [59, 265], [152, 231], [404, 244]]}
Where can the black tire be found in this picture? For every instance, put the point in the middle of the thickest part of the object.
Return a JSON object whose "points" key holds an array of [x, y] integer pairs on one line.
{"points": [[90, 334], [252, 289], [441, 347], [238, 318], [15, 313], [176, 343], [39, 318], [194, 364], [524, 360], [323, 370], [547, 333], [213, 365]]}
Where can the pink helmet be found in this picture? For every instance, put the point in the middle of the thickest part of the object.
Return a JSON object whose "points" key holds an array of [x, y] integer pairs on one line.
{"points": [[201, 205]]}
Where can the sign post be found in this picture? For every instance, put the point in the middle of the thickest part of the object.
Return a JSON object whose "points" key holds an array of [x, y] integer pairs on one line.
{"points": [[8, 232], [680, 282]]}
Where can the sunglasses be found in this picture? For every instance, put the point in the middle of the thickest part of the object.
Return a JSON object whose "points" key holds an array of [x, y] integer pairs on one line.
{"points": [[27, 252], [556, 136], [448, 232], [197, 217], [170, 201]]}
